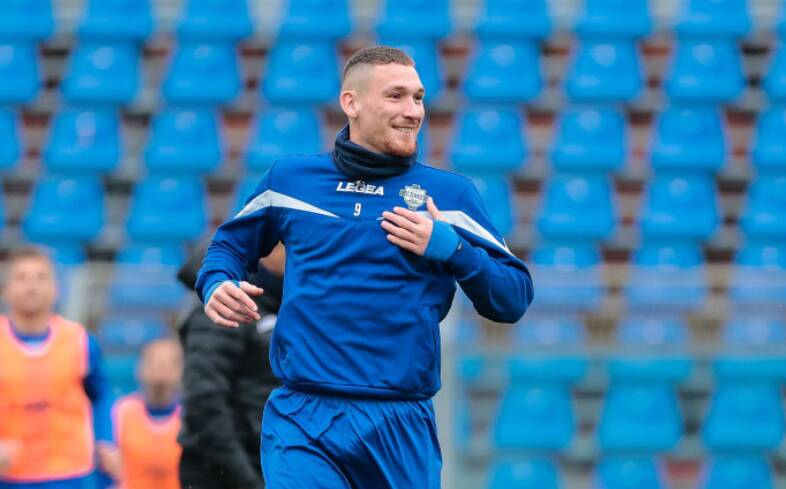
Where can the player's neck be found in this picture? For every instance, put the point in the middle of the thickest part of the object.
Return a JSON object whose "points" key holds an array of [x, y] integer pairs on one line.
{"points": [[33, 324]]}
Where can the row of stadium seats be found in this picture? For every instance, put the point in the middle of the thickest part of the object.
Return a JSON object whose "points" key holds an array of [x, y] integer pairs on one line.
{"points": [[685, 140], [727, 471], [307, 72], [641, 412], [573, 208], [331, 19]]}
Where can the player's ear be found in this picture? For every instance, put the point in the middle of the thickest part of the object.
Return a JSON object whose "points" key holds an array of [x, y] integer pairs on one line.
{"points": [[349, 103]]}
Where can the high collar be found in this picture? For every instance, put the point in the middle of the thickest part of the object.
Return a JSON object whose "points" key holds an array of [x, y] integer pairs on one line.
{"points": [[355, 161]]}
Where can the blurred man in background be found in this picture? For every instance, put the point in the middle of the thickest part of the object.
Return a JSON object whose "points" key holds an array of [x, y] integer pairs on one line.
{"points": [[147, 423], [52, 385], [227, 381]]}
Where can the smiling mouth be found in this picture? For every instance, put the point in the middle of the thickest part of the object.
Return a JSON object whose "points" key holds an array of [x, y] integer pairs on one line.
{"points": [[405, 130]]}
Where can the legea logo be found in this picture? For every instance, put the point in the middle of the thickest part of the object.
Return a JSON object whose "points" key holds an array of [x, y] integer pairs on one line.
{"points": [[360, 187]]}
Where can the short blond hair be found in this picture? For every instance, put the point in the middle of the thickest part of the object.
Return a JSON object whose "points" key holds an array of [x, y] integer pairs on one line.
{"points": [[375, 56]]}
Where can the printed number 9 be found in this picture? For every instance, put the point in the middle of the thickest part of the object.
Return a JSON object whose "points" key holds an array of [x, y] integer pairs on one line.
{"points": [[358, 207]]}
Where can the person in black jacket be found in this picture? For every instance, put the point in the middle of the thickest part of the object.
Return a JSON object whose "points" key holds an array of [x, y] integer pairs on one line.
{"points": [[227, 380]]}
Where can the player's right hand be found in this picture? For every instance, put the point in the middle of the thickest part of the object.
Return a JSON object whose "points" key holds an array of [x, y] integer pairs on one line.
{"points": [[230, 305], [8, 451]]}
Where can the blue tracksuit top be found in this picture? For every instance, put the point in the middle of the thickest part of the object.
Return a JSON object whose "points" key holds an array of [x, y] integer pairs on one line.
{"points": [[360, 316]]}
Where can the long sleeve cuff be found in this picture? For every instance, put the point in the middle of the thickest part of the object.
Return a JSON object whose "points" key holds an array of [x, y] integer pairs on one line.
{"points": [[464, 261]]}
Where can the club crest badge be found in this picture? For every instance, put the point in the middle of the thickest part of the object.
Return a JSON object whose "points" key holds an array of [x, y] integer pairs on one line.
{"points": [[414, 196]]}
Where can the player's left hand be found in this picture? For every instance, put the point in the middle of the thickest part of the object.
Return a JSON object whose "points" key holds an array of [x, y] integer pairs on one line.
{"points": [[410, 230]]}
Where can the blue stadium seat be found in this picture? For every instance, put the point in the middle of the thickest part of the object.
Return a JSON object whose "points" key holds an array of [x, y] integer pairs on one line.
{"points": [[167, 210], [19, 76], [67, 257], [768, 153], [301, 72], [531, 473], [752, 349], [681, 208], [705, 71], [640, 416], [628, 472], [83, 141], [688, 139], [498, 196], [576, 207], [65, 211], [568, 276], [604, 71], [316, 19], [116, 20], [742, 471], [714, 18], [504, 72], [282, 131], [121, 371], [774, 82], [535, 415], [28, 20], [614, 18], [202, 73], [183, 142], [418, 19], [764, 217], [102, 73], [129, 334], [487, 140], [744, 415], [425, 54], [215, 20], [590, 140], [549, 348], [11, 144], [667, 275], [144, 280], [759, 275], [652, 349], [514, 19]]}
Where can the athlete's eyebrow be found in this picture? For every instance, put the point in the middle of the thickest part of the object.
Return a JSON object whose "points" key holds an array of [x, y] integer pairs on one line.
{"points": [[402, 88]]}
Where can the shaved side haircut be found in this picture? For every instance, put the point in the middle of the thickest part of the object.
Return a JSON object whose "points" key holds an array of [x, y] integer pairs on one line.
{"points": [[374, 56]]}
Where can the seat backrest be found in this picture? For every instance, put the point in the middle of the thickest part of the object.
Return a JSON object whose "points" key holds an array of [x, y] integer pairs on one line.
{"points": [[737, 472], [681, 208], [628, 473], [605, 71], [282, 131], [514, 19], [19, 74], [704, 70], [415, 18], [487, 139], [576, 207], [215, 20], [301, 72], [65, 209], [30, 20], [524, 474], [504, 72]]}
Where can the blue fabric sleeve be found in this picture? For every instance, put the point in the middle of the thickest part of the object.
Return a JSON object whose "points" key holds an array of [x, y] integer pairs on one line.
{"points": [[497, 282], [241, 241], [443, 242], [99, 391]]}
